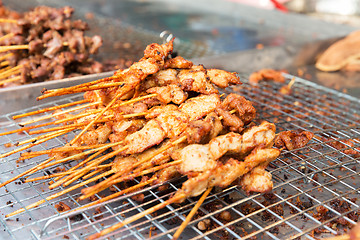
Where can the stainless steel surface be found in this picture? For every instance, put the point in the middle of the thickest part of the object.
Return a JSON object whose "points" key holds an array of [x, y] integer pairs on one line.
{"points": [[317, 174], [21, 97]]}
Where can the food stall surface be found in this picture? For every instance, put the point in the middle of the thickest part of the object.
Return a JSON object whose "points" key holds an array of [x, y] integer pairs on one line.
{"points": [[316, 188]]}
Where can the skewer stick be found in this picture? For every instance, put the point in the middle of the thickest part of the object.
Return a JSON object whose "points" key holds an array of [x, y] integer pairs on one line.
{"points": [[291, 83], [53, 196], [13, 47], [7, 20], [94, 163], [26, 155], [137, 216], [42, 137], [191, 214], [5, 69], [120, 94], [13, 79], [85, 161], [110, 180], [76, 116], [11, 71], [101, 167], [79, 155], [69, 89], [5, 56], [22, 47], [4, 63], [60, 113], [132, 176], [61, 132], [23, 129], [67, 181], [92, 112], [9, 35], [136, 99], [49, 109], [131, 115], [114, 195], [84, 89], [73, 126]]}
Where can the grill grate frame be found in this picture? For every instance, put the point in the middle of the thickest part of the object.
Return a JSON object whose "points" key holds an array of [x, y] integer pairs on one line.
{"points": [[318, 174]]}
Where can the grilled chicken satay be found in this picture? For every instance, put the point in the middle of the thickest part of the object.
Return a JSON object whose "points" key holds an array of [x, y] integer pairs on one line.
{"points": [[257, 180], [198, 131], [170, 123], [172, 85], [202, 161]]}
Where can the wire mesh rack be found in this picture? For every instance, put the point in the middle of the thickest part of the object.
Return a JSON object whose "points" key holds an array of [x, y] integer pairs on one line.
{"points": [[315, 194]]}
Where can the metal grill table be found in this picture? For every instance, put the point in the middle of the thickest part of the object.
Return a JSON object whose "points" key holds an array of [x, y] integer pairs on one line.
{"points": [[315, 194]]}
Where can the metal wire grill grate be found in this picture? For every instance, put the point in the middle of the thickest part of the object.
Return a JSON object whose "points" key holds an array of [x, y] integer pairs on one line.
{"points": [[315, 194]]}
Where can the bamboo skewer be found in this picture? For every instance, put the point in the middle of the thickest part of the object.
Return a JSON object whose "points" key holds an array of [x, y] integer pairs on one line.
{"points": [[74, 126], [59, 193], [42, 125], [136, 100], [5, 69], [120, 94], [7, 20], [191, 214], [23, 129], [82, 172], [79, 155], [9, 35], [63, 91], [4, 63], [5, 56], [52, 197], [42, 136], [114, 195], [79, 125], [14, 47], [27, 155], [85, 161], [22, 47], [50, 109], [99, 110], [101, 167], [13, 79], [133, 175], [11, 71], [70, 118], [137, 216], [94, 163], [84, 89], [60, 113], [96, 171]]}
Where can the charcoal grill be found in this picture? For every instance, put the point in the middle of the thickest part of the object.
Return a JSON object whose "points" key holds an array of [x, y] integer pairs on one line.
{"points": [[322, 176]]}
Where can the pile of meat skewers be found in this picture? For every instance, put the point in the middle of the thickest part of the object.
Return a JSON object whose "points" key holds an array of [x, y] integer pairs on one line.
{"points": [[161, 118], [45, 44]]}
